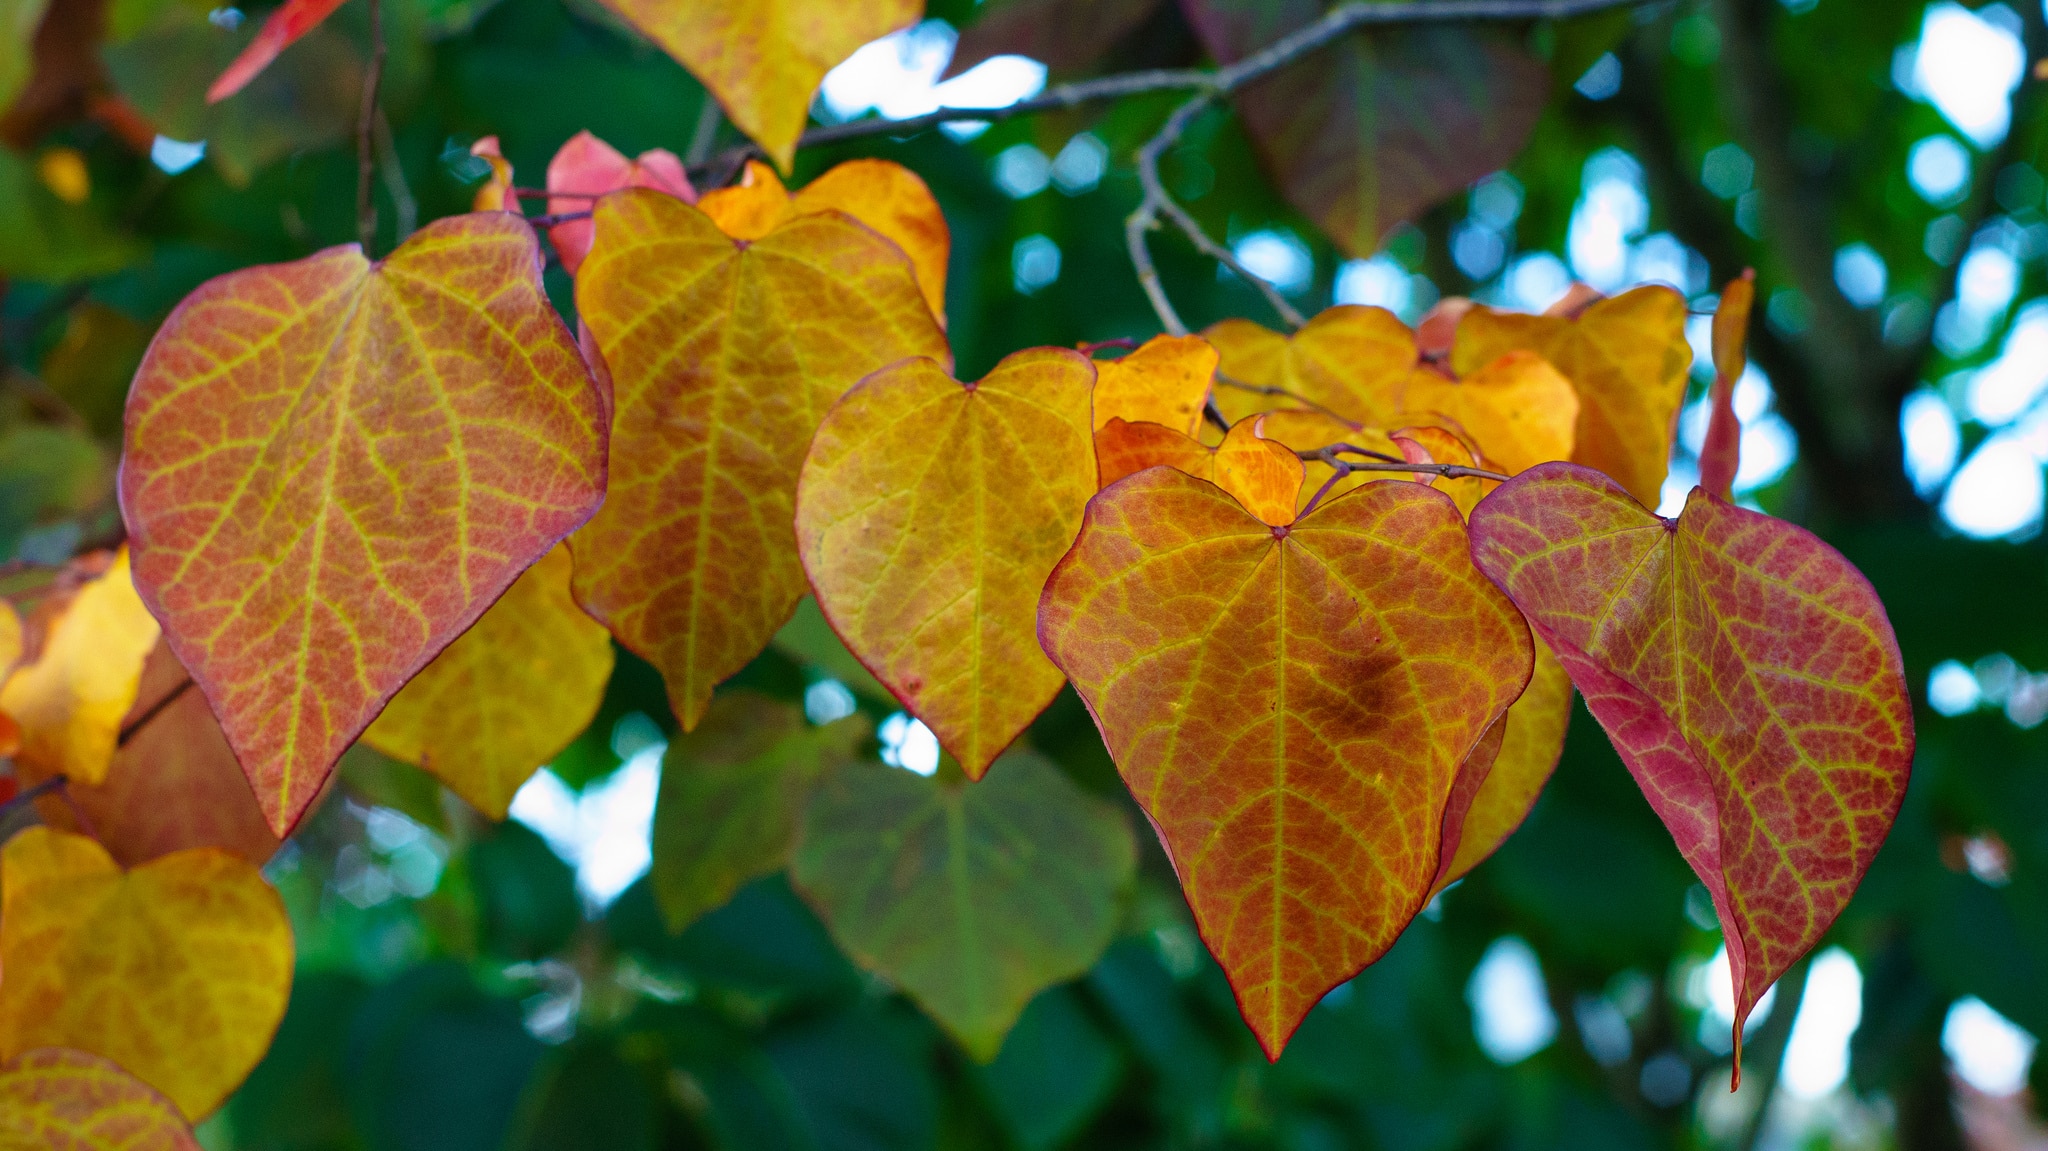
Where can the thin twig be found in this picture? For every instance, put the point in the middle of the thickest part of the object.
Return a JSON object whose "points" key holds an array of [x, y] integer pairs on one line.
{"points": [[1340, 468], [1443, 471], [553, 218], [405, 209], [130, 729], [1333, 25], [366, 121], [1146, 216], [1200, 239], [1275, 390], [24, 798]]}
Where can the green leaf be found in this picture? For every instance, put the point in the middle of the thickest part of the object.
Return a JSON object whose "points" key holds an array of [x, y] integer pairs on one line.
{"points": [[972, 897], [731, 794], [1056, 1070], [50, 241]]}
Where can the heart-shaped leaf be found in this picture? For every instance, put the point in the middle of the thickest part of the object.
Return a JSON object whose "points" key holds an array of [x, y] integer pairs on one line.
{"points": [[55, 1099], [178, 970], [725, 356], [1291, 706], [334, 466], [1627, 357], [973, 897], [1165, 381], [930, 513], [732, 794], [507, 696], [1349, 360], [1746, 673]]}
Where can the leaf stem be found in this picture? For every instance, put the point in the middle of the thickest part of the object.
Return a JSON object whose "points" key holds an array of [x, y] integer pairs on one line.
{"points": [[366, 122], [1275, 390], [24, 798], [130, 729], [1376, 462]]}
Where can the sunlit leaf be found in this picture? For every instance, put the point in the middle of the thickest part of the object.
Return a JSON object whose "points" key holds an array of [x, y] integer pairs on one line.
{"points": [[178, 970], [1532, 741], [333, 467], [1262, 475], [70, 694], [1366, 133], [971, 897], [1290, 705], [1518, 410], [732, 793], [1434, 445], [1748, 676], [586, 168], [1165, 381], [175, 784], [928, 516], [1122, 449], [507, 695], [724, 356], [1349, 359], [55, 1099], [1626, 356], [886, 196], [764, 60]]}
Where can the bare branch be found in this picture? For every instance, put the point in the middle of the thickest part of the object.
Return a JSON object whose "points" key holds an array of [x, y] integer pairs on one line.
{"points": [[1146, 216], [404, 207], [1334, 25]]}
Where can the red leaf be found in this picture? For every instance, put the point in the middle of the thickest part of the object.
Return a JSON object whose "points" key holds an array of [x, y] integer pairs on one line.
{"points": [[1748, 676], [292, 20], [1721, 454], [586, 168]]}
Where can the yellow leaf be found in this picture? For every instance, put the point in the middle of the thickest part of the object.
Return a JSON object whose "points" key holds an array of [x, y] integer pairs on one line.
{"points": [[1263, 476], [10, 639], [1306, 431], [1352, 360], [763, 59], [1519, 410], [507, 696], [929, 515], [724, 356], [1627, 357], [882, 194], [178, 970], [69, 700], [1164, 382], [1528, 754]]}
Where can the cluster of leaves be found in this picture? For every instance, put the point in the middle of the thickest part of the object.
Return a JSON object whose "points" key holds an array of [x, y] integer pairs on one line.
{"points": [[401, 501]]}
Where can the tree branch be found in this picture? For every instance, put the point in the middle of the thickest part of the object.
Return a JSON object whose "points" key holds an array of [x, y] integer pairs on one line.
{"points": [[130, 729], [1334, 25], [366, 122]]}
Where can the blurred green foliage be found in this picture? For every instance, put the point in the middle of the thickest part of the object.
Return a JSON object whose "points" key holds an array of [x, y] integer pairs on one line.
{"points": [[455, 992]]}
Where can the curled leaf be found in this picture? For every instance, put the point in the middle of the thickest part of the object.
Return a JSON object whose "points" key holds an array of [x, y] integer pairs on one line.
{"points": [[724, 356], [1721, 452], [178, 970], [1291, 706], [928, 516], [1746, 673], [333, 467]]}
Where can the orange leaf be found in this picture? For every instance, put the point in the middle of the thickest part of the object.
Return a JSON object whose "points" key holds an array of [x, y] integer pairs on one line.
{"points": [[178, 970], [725, 356], [1748, 677], [1532, 741], [1164, 382], [1305, 431], [291, 20], [1123, 449], [1627, 358], [1261, 475], [175, 783], [1290, 706], [587, 168], [333, 467], [69, 699], [1433, 445], [929, 515], [764, 59], [1352, 360], [10, 639], [1519, 410], [496, 194], [505, 697], [884, 195], [56, 1099], [1721, 453]]}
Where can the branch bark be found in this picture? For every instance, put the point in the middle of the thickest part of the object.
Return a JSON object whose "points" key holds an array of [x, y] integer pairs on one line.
{"points": [[366, 124]]}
